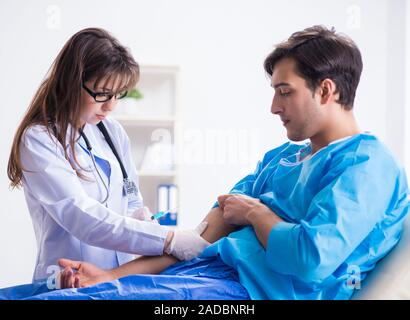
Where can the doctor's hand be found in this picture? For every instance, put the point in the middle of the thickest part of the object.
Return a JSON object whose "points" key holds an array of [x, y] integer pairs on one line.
{"points": [[237, 208], [79, 274], [187, 244]]}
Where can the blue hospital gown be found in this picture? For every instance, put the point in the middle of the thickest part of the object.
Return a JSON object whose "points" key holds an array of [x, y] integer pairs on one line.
{"points": [[343, 210]]}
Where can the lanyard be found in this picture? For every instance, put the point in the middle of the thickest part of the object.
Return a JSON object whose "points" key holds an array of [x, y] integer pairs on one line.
{"points": [[107, 137], [130, 188]]}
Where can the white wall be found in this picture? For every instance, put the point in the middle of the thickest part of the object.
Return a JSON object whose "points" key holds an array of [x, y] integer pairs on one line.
{"points": [[219, 46], [407, 91], [395, 76]]}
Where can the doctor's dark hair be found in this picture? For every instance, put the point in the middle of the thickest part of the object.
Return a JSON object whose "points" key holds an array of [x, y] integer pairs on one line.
{"points": [[90, 54], [319, 54]]}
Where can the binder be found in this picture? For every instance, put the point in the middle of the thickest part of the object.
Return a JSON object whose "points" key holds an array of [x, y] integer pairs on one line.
{"points": [[168, 202]]}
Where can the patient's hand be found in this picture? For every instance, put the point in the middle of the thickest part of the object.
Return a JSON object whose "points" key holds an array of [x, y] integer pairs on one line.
{"points": [[237, 208], [86, 274]]}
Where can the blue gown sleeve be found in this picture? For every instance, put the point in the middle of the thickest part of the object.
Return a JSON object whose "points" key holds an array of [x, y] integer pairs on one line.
{"points": [[246, 184], [356, 194]]}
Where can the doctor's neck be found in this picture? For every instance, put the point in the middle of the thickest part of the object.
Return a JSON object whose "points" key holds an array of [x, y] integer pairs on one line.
{"points": [[339, 124], [81, 124]]}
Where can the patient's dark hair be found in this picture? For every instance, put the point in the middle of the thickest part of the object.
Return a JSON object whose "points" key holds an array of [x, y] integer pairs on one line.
{"points": [[320, 53]]}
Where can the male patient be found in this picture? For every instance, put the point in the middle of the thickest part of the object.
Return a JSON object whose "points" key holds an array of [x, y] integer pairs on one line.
{"points": [[314, 218]]}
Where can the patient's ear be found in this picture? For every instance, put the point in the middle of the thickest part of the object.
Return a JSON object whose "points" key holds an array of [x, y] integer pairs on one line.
{"points": [[328, 91]]}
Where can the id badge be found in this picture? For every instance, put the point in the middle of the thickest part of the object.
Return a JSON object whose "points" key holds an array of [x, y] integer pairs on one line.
{"points": [[130, 189]]}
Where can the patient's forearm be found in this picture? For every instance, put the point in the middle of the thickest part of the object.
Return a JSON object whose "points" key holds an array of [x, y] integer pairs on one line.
{"points": [[217, 228], [263, 220], [144, 265]]}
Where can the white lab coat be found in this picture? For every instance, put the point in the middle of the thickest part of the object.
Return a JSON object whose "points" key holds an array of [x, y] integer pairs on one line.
{"points": [[68, 219]]}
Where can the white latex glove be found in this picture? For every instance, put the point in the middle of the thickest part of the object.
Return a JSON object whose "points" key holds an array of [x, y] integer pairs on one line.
{"points": [[143, 214], [58, 280], [188, 244]]}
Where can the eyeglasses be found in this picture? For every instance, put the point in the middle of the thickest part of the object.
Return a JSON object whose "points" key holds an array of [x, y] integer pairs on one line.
{"points": [[104, 96]]}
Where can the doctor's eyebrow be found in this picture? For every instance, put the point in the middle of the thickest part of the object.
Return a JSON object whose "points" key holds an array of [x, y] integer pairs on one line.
{"points": [[280, 84]]}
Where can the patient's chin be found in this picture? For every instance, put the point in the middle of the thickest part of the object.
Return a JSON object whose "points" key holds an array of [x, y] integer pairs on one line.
{"points": [[296, 136]]}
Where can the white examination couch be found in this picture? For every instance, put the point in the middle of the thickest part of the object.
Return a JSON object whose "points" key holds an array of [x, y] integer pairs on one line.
{"points": [[391, 277]]}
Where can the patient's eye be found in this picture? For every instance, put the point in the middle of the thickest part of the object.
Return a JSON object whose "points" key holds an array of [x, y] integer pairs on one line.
{"points": [[284, 91]]}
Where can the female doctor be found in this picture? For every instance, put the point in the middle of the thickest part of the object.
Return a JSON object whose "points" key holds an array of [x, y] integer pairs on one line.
{"points": [[76, 168]]}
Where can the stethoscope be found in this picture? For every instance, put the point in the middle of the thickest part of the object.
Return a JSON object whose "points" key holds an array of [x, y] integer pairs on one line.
{"points": [[130, 189]]}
